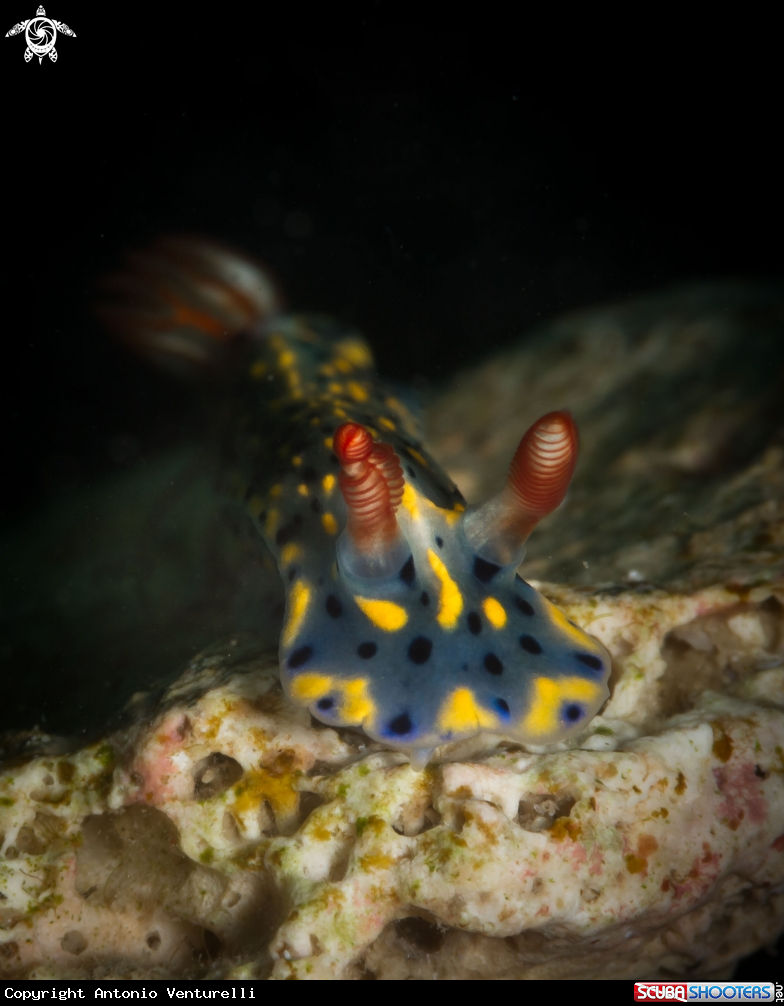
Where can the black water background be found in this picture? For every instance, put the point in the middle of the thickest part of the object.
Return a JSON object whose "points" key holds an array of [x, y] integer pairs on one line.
{"points": [[445, 186]]}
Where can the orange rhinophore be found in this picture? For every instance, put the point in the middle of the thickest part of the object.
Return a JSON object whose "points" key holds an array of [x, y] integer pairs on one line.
{"points": [[182, 300], [538, 479], [372, 482]]}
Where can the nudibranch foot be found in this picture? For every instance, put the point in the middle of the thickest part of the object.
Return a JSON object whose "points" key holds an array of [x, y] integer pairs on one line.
{"points": [[405, 616]]}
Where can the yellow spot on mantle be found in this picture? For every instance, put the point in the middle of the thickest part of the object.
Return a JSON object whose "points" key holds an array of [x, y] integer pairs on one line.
{"points": [[286, 359], [356, 706], [255, 506], [409, 501], [275, 491], [302, 489], [258, 369], [494, 612], [386, 423], [328, 483], [329, 523], [289, 553], [450, 602], [385, 615], [357, 392], [418, 457], [461, 712], [328, 445], [307, 688], [299, 599], [296, 460], [451, 516], [355, 351], [549, 694]]}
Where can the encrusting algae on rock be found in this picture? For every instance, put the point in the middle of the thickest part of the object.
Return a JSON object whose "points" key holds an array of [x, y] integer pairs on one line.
{"points": [[225, 833]]}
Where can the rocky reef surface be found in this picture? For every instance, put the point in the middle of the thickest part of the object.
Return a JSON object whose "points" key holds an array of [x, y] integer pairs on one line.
{"points": [[218, 831]]}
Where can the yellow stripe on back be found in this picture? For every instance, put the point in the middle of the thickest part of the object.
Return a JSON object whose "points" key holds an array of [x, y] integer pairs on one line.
{"points": [[409, 501], [451, 600], [299, 599]]}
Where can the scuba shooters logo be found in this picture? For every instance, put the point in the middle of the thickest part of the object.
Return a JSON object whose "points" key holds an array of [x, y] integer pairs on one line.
{"points": [[41, 35], [708, 991]]}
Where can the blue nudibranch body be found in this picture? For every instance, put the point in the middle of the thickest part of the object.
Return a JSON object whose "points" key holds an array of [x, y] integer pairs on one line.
{"points": [[405, 616]]}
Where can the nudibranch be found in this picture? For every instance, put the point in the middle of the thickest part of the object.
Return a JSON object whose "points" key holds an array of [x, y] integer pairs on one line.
{"points": [[405, 614]]}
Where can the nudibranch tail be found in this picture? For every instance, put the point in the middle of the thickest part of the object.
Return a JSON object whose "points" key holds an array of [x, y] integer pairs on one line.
{"points": [[182, 300], [371, 481], [539, 476]]}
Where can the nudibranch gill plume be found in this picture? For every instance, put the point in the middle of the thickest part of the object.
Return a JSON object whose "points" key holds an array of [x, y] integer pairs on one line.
{"points": [[405, 615]]}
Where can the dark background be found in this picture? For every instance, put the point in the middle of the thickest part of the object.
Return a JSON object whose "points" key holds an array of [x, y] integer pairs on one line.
{"points": [[446, 186]]}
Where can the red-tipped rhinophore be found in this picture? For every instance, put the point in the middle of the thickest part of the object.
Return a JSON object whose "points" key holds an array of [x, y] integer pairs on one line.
{"points": [[371, 481], [539, 476], [542, 467]]}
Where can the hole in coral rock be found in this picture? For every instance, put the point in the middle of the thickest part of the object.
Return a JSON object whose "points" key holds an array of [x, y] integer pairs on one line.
{"points": [[212, 944], [132, 858], [538, 812], [339, 865], [308, 802], [229, 828], [432, 818], [214, 774], [420, 933], [153, 940], [413, 821], [73, 942], [9, 950], [267, 824], [720, 652]]}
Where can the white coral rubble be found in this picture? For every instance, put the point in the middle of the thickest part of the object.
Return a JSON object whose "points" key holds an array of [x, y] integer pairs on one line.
{"points": [[234, 837]]}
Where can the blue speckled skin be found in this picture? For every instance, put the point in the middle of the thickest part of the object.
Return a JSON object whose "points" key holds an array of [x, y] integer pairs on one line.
{"points": [[447, 646]]}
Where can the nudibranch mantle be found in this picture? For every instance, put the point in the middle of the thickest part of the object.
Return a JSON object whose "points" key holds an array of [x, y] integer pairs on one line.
{"points": [[448, 640]]}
